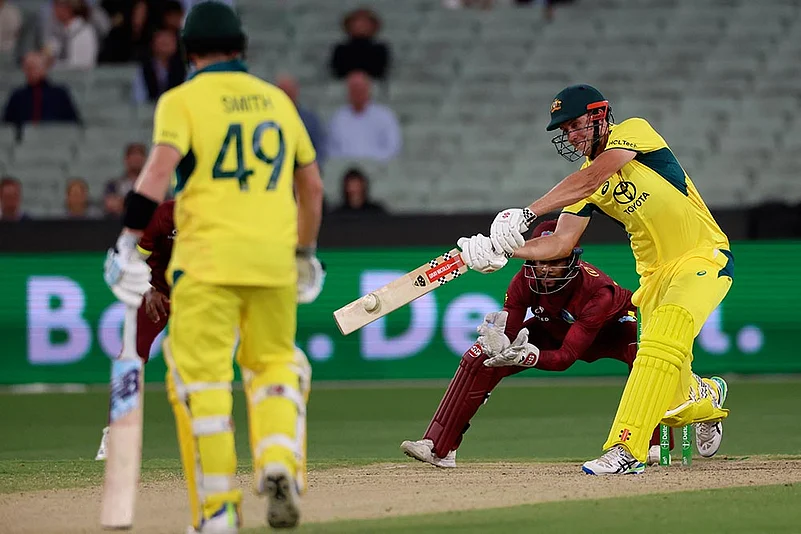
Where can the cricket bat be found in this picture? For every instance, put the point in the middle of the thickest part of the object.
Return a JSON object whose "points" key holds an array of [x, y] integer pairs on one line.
{"points": [[124, 448], [400, 292]]}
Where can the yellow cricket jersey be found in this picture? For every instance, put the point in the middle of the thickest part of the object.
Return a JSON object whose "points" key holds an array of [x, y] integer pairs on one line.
{"points": [[653, 198], [241, 139]]}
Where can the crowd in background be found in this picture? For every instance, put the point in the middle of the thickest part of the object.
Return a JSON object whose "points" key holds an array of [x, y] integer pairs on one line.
{"points": [[79, 34]]}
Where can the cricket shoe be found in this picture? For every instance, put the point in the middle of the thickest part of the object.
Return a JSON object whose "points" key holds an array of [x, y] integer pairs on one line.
{"points": [[423, 450], [101, 452], [708, 436], [283, 499], [224, 521], [615, 461], [654, 454]]}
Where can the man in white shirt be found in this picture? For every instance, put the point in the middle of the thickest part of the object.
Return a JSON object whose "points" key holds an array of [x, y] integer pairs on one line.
{"points": [[363, 129], [74, 44]]}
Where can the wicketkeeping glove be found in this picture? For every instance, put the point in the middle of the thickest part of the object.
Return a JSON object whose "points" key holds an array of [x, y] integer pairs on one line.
{"points": [[492, 337], [520, 353]]}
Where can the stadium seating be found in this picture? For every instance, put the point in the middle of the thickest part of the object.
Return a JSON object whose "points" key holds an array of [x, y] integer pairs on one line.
{"points": [[721, 80]]}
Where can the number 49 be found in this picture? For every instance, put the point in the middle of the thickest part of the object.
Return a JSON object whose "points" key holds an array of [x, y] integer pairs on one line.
{"points": [[234, 135]]}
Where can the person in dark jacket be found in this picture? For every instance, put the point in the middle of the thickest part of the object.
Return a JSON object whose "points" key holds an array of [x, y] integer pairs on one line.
{"points": [[162, 70], [39, 100], [356, 196], [361, 51]]}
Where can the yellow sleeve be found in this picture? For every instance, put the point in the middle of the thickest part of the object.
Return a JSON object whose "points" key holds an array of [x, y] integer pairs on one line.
{"points": [[635, 134], [171, 123], [582, 208], [304, 153]]}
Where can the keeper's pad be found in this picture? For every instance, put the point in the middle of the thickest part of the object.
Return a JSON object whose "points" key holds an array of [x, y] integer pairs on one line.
{"points": [[665, 344], [205, 438], [469, 388]]}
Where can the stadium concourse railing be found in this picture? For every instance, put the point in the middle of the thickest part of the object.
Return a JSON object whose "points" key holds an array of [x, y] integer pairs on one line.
{"points": [[60, 324]]}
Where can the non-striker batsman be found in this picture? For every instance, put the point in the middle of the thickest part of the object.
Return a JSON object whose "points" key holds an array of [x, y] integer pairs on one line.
{"points": [[244, 253], [682, 256]]}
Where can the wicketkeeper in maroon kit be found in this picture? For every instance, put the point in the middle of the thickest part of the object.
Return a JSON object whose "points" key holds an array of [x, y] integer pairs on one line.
{"points": [[579, 313]]}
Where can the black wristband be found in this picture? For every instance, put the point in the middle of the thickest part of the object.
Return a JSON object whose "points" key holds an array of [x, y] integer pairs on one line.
{"points": [[138, 211]]}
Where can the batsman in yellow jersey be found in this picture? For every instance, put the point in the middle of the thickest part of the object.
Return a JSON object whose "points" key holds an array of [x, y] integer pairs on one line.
{"points": [[244, 255], [682, 257]]}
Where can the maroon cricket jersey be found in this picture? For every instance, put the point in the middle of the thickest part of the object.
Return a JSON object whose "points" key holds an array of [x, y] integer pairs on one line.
{"points": [[157, 240], [590, 318]]}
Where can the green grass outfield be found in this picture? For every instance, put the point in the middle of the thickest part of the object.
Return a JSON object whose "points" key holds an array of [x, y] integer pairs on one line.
{"points": [[49, 440]]}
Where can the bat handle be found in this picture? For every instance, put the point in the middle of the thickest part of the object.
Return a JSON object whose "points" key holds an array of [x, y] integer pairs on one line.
{"points": [[129, 333]]}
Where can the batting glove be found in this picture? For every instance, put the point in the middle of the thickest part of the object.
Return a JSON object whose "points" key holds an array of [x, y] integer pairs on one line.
{"points": [[478, 254], [126, 272], [506, 232], [311, 275]]}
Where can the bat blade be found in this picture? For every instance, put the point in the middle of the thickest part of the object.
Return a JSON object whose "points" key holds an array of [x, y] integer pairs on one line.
{"points": [[401, 291], [124, 446]]}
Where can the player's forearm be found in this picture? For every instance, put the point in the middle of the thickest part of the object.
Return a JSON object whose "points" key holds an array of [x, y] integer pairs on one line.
{"points": [[309, 188], [575, 187], [555, 360], [544, 248]]}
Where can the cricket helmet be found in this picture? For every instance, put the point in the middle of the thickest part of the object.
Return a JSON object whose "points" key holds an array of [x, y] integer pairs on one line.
{"points": [[213, 27], [546, 277], [571, 103]]}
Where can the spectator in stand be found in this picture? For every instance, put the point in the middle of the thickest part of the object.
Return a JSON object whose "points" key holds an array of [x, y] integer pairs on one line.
{"points": [[362, 128], [96, 16], [130, 34], [39, 100], [289, 85], [76, 202], [73, 43], [172, 16], [162, 70], [356, 196], [10, 26], [116, 190], [11, 200], [361, 52]]}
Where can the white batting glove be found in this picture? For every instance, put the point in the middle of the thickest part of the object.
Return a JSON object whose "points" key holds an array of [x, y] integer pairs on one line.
{"points": [[506, 232], [311, 275], [478, 254], [492, 336], [520, 353], [126, 272]]}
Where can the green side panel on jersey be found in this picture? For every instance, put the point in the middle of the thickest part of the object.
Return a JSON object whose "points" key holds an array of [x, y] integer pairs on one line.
{"points": [[664, 163]]}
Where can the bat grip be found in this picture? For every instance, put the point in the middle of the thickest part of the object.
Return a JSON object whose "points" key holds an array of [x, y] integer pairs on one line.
{"points": [[129, 333]]}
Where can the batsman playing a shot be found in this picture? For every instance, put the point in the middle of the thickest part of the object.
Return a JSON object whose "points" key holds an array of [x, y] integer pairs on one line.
{"points": [[243, 254], [682, 257], [578, 313]]}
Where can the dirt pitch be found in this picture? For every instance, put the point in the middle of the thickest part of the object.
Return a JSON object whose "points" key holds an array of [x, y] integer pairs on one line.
{"points": [[389, 489]]}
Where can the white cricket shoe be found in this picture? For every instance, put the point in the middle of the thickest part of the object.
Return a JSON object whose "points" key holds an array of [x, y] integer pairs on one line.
{"points": [[654, 454], [101, 452], [224, 521], [615, 461], [423, 450], [283, 500], [708, 436]]}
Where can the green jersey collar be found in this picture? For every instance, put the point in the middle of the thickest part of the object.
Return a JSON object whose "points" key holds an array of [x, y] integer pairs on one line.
{"points": [[233, 65]]}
